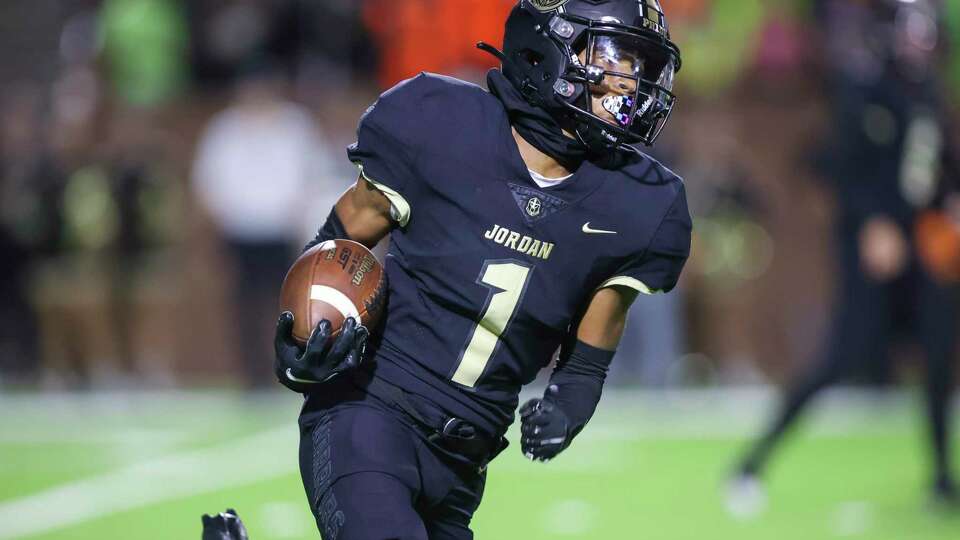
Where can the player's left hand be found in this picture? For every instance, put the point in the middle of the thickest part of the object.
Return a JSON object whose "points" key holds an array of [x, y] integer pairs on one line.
{"points": [[325, 357], [223, 526], [544, 427]]}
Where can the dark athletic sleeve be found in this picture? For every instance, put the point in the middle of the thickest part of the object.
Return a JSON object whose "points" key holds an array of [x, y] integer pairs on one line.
{"points": [[389, 139]]}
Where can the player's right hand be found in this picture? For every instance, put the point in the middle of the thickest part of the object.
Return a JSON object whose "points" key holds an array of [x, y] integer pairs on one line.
{"points": [[302, 369], [544, 426]]}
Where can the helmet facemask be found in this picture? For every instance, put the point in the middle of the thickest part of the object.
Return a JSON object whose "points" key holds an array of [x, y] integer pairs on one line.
{"points": [[623, 88]]}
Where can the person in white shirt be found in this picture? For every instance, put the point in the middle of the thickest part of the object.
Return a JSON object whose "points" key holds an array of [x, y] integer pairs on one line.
{"points": [[261, 163]]}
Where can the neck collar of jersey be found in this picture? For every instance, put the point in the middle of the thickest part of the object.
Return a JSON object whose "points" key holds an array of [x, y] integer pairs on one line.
{"points": [[547, 182], [535, 125]]}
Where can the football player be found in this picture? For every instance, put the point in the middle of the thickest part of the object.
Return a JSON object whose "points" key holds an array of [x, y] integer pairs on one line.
{"points": [[522, 221], [886, 178]]}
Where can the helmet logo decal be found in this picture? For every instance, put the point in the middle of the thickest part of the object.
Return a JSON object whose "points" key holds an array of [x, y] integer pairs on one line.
{"points": [[653, 16], [547, 5], [564, 88]]}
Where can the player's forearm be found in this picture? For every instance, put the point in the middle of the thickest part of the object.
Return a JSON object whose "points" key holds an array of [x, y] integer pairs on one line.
{"points": [[606, 317], [583, 366], [579, 377]]}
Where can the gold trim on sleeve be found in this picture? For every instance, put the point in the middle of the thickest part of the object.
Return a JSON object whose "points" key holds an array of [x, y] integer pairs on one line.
{"points": [[633, 283], [399, 207]]}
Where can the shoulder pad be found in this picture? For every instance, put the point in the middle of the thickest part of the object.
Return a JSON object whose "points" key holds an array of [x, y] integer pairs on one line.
{"points": [[434, 87], [436, 107], [441, 105]]}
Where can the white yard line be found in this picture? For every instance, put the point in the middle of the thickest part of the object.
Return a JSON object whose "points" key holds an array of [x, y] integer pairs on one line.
{"points": [[259, 457], [95, 436]]}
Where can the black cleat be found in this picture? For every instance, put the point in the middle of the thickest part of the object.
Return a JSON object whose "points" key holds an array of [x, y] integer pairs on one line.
{"points": [[223, 526]]}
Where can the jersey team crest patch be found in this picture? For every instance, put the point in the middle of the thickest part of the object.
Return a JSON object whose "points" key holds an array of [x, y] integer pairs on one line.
{"points": [[535, 205], [547, 5]]}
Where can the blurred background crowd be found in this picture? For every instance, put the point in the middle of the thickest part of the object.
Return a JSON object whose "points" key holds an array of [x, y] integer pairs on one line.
{"points": [[161, 161]]}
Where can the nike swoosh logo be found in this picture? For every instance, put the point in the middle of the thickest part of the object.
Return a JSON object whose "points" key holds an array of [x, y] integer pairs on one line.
{"points": [[588, 230]]}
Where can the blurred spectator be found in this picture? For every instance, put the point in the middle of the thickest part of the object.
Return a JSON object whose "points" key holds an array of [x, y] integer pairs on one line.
{"points": [[316, 43], [890, 161], [257, 172], [31, 183], [117, 207], [716, 41], [332, 57], [227, 36], [732, 249], [145, 46], [147, 209]]}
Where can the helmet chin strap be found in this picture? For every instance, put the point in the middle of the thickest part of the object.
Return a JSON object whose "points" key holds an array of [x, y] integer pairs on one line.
{"points": [[603, 153], [596, 139]]}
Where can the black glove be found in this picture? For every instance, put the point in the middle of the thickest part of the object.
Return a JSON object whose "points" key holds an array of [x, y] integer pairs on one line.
{"points": [[223, 526], [544, 427], [301, 370]]}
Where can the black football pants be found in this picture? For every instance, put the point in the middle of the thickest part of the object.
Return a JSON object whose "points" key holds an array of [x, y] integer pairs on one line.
{"points": [[369, 475]]}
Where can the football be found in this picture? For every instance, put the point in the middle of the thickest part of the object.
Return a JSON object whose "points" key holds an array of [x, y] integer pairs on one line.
{"points": [[333, 280]]}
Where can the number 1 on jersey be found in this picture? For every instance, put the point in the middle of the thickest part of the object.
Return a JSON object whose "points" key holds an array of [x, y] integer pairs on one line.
{"points": [[506, 281]]}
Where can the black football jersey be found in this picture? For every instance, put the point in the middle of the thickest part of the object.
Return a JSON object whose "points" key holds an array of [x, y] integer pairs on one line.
{"points": [[488, 272]]}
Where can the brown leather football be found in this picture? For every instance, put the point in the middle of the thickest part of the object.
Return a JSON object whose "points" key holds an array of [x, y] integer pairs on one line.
{"points": [[333, 280]]}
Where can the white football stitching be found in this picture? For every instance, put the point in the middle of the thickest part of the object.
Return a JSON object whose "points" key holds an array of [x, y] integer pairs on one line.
{"points": [[335, 298]]}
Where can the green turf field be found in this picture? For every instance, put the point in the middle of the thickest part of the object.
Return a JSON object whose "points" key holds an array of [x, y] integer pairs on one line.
{"points": [[648, 467]]}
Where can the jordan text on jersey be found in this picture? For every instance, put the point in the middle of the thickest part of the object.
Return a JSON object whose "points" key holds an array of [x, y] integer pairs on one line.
{"points": [[518, 242]]}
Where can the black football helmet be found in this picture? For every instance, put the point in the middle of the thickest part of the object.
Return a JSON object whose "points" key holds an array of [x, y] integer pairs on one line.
{"points": [[603, 68]]}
